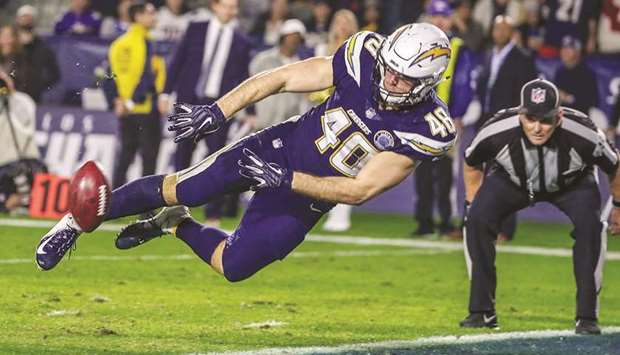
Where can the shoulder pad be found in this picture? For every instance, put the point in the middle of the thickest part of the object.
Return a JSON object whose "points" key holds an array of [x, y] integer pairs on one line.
{"points": [[364, 41], [502, 114], [578, 116], [567, 111]]}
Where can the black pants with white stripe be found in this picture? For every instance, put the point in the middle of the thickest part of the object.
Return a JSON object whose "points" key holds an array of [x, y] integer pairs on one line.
{"points": [[497, 198]]}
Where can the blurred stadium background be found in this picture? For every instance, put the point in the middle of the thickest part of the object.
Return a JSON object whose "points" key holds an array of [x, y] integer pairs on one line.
{"points": [[375, 282]]}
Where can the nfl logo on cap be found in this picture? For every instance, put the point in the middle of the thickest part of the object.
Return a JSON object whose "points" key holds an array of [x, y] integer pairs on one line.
{"points": [[539, 98], [538, 95]]}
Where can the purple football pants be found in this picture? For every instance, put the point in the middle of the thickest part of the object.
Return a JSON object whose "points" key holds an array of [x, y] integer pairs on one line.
{"points": [[276, 220]]}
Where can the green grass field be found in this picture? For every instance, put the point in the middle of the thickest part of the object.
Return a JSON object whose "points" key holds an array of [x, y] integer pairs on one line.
{"points": [[159, 299]]}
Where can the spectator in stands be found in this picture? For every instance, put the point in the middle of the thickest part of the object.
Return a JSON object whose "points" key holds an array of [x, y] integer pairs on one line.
{"points": [[251, 12], [173, 19], [319, 25], [278, 108], [609, 27], [112, 27], [12, 58], [434, 179], [506, 69], [202, 76], [19, 156], [530, 33], [302, 10], [613, 122], [466, 27], [267, 28], [79, 20], [43, 71], [372, 16], [139, 76], [561, 21], [485, 11], [576, 82], [344, 25], [395, 13]]}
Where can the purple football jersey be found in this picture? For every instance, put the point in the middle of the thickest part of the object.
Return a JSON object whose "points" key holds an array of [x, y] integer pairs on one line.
{"points": [[567, 18], [341, 135], [336, 138]]}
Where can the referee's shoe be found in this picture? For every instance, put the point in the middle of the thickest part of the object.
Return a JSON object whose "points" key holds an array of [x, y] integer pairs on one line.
{"points": [[480, 320], [587, 327]]}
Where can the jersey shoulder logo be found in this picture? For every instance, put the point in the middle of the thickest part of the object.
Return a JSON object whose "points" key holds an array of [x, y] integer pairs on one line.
{"points": [[383, 140]]}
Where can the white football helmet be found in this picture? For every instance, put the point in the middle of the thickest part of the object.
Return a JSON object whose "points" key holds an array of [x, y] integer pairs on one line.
{"points": [[419, 52]]}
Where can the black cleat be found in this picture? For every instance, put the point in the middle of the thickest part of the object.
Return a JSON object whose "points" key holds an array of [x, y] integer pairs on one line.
{"points": [[587, 327], [147, 229], [480, 320]]}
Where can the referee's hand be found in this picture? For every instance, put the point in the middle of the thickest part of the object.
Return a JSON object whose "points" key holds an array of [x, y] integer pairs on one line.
{"points": [[614, 221]]}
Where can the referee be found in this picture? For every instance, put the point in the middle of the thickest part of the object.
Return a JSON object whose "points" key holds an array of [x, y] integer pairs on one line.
{"points": [[538, 151]]}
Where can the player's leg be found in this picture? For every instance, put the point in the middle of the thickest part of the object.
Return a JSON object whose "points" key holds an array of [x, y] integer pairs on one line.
{"points": [[57, 241], [424, 186], [138, 196], [582, 204], [194, 186], [274, 224], [214, 176], [191, 187], [496, 198], [150, 140], [445, 180]]}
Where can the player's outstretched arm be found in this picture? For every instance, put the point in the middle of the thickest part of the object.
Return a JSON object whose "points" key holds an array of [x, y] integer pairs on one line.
{"points": [[382, 172], [305, 76], [194, 121]]}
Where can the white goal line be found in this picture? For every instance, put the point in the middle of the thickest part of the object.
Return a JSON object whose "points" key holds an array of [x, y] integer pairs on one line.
{"points": [[451, 340]]}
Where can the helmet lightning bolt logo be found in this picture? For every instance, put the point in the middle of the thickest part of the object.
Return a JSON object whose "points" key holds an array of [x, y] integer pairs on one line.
{"points": [[433, 53]]}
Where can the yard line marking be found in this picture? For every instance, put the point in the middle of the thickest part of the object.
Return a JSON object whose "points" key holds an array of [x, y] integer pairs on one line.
{"points": [[301, 254], [358, 240], [448, 246], [406, 344]]}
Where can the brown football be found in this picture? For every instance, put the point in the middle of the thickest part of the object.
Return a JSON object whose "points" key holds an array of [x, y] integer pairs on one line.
{"points": [[89, 196]]}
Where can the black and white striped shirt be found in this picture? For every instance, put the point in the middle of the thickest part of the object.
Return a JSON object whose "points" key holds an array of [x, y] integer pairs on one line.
{"points": [[571, 152]]}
